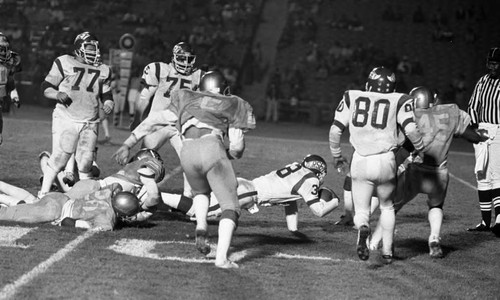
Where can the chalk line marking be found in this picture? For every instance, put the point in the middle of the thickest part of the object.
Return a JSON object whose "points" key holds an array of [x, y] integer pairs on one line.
{"points": [[466, 183], [10, 289], [144, 249], [10, 234]]}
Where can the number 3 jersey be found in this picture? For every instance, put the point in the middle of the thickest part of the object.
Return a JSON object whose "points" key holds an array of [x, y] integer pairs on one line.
{"points": [[167, 79], [290, 183], [85, 84], [373, 119]]}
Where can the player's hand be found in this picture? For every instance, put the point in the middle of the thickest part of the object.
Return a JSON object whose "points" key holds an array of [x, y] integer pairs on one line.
{"points": [[108, 106], [64, 99], [121, 155], [341, 165], [483, 133], [16, 102]]}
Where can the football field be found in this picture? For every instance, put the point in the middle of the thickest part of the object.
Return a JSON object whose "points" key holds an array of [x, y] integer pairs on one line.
{"points": [[159, 260]]}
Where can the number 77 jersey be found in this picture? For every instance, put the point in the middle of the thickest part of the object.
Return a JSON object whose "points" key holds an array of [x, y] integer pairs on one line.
{"points": [[373, 119]]}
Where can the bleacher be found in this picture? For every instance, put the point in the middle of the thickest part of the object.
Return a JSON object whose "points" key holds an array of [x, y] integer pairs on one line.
{"points": [[441, 60]]}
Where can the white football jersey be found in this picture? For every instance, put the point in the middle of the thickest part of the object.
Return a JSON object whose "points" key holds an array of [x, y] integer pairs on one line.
{"points": [[84, 84], [167, 79], [373, 119], [293, 182]]}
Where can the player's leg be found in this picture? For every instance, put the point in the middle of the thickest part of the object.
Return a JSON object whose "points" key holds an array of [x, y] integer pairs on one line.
{"points": [[387, 219], [192, 165], [64, 141], [47, 209], [435, 184], [223, 183], [11, 195], [292, 216], [85, 151]]}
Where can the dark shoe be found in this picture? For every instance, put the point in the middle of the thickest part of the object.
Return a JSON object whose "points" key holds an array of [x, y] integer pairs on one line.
{"points": [[496, 229], [202, 241], [387, 259], [345, 221], [479, 227], [362, 248], [69, 179], [435, 250]]}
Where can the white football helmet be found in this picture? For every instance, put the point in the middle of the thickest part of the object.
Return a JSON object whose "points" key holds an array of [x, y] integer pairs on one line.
{"points": [[183, 58], [87, 48], [5, 52]]}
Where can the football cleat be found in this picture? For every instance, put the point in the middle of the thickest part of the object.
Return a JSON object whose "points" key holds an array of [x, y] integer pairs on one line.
{"points": [[480, 227], [435, 250], [202, 245], [496, 229], [345, 221], [386, 259], [69, 178], [362, 247], [228, 265]]}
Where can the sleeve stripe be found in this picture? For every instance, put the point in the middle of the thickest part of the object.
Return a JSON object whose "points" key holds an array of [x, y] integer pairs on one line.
{"points": [[249, 194], [297, 186], [406, 122], [157, 71], [339, 125], [309, 203], [59, 66]]}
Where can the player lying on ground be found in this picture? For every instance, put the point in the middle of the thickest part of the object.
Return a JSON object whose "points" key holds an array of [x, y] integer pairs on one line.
{"points": [[284, 186], [98, 209], [139, 176]]}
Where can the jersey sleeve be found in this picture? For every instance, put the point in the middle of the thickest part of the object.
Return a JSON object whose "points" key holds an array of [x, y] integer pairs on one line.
{"points": [[341, 119], [151, 74], [56, 73], [464, 120], [405, 114], [309, 189]]}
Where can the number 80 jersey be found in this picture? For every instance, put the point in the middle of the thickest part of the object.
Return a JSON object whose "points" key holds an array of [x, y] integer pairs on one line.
{"points": [[373, 119], [293, 182]]}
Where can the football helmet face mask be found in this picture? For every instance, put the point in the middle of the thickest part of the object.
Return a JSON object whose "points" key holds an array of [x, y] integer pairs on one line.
{"points": [[214, 82], [493, 62], [87, 48], [316, 164], [183, 58], [145, 152], [424, 97], [381, 80], [125, 204], [5, 53]]}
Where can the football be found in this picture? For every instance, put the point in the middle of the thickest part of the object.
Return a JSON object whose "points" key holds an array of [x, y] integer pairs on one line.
{"points": [[326, 194], [125, 204]]}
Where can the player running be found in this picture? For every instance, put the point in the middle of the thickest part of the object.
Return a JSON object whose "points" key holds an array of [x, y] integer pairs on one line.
{"points": [[373, 117]]}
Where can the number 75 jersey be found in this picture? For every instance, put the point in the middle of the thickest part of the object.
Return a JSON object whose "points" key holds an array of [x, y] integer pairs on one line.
{"points": [[373, 119]]}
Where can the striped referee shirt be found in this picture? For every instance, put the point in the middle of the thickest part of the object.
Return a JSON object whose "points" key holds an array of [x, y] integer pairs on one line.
{"points": [[484, 104]]}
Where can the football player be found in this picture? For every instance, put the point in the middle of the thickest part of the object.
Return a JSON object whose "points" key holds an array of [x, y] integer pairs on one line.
{"points": [[373, 117], [159, 80], [10, 62], [294, 182], [96, 209], [438, 123], [139, 176], [77, 82], [204, 118]]}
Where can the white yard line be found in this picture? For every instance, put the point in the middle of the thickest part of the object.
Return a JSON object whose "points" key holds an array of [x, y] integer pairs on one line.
{"points": [[466, 183], [10, 290]]}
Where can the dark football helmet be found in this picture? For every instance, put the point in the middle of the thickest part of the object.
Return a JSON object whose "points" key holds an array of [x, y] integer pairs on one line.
{"points": [[424, 97], [316, 164], [183, 58], [493, 62], [125, 204], [5, 52], [214, 82], [87, 48], [381, 80]]}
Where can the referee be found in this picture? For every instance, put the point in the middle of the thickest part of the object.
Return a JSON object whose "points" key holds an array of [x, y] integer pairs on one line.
{"points": [[484, 109]]}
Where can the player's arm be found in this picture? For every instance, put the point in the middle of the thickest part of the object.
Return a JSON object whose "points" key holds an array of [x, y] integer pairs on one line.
{"points": [[152, 196], [340, 123], [468, 132], [406, 120], [51, 83], [236, 143], [107, 94], [324, 203]]}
